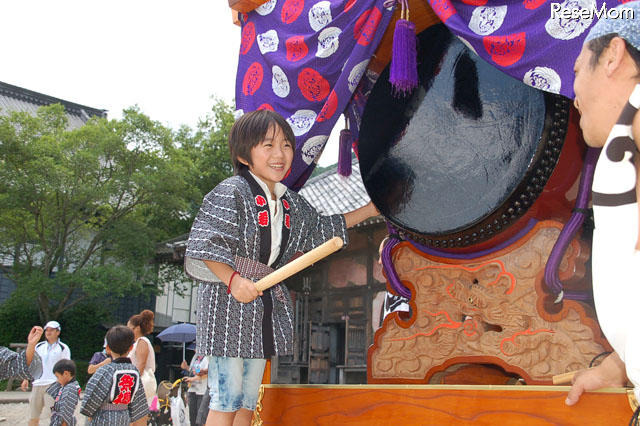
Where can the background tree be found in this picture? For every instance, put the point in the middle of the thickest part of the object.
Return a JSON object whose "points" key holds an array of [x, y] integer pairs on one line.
{"points": [[81, 210]]}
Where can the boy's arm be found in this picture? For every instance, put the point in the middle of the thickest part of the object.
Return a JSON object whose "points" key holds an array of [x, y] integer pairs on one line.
{"points": [[242, 289], [215, 233], [96, 392], [355, 217], [68, 403], [138, 408]]}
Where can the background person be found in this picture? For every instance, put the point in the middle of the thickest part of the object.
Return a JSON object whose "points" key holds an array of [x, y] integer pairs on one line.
{"points": [[99, 359], [198, 369], [142, 355], [50, 351]]}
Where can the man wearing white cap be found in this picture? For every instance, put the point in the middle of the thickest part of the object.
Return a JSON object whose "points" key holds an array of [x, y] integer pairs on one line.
{"points": [[51, 351], [607, 88]]}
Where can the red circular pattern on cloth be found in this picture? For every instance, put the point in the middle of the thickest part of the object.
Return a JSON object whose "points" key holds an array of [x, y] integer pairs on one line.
{"points": [[248, 37], [475, 2], [505, 50], [533, 4], [329, 107], [349, 5], [291, 9], [314, 87], [370, 26], [266, 106], [296, 48], [443, 8], [263, 218], [252, 79]]}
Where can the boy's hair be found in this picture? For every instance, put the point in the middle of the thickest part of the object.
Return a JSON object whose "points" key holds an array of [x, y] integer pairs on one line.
{"points": [[251, 129], [119, 339], [65, 365]]}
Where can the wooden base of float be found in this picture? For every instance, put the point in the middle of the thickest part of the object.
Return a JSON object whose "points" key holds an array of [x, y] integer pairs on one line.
{"points": [[437, 405]]}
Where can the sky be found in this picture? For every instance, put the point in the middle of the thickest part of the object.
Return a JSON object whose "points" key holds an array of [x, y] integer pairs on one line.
{"points": [[168, 57]]}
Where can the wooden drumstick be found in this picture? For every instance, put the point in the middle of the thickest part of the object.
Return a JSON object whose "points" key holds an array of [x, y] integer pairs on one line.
{"points": [[297, 265], [564, 378]]}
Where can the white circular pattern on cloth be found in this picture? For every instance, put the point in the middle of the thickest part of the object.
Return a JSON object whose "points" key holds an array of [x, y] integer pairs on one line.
{"points": [[328, 42], [312, 148], [320, 15], [486, 20], [238, 113], [267, 7], [356, 75], [279, 82], [543, 78], [268, 41], [301, 121], [567, 29]]}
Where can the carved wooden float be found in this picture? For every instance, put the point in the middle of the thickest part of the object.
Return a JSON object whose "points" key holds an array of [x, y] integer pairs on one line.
{"points": [[436, 405]]}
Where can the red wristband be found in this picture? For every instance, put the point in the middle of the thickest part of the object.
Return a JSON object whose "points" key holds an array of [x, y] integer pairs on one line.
{"points": [[231, 279]]}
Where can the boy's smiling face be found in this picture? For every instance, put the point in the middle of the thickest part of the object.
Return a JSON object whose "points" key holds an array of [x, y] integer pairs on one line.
{"points": [[271, 159]]}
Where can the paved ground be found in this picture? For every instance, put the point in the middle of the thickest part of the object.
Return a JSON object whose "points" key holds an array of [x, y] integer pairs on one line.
{"points": [[14, 409]]}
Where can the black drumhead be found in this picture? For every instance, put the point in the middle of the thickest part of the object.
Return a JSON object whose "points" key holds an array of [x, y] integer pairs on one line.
{"points": [[454, 162]]}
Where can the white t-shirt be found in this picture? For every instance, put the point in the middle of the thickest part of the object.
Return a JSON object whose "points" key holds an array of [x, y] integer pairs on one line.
{"points": [[199, 363], [50, 354], [275, 209], [151, 356]]}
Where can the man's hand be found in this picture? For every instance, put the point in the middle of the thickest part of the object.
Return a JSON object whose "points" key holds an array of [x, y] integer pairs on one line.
{"points": [[34, 335], [244, 290], [24, 385], [184, 365], [611, 373]]}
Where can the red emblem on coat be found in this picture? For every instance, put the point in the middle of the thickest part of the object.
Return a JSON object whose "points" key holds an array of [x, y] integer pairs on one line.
{"points": [[285, 203], [260, 201], [287, 221], [125, 384], [263, 218]]}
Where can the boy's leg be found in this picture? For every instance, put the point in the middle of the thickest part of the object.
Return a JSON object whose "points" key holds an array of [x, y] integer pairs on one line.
{"points": [[252, 374], [220, 418], [243, 417], [225, 379]]}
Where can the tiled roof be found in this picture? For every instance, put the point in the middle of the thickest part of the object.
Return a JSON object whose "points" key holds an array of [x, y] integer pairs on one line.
{"points": [[14, 98], [331, 193]]}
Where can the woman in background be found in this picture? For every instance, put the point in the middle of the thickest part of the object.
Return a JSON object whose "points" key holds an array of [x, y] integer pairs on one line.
{"points": [[142, 355]]}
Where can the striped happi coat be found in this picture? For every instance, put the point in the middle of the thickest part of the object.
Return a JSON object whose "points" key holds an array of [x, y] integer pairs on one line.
{"points": [[232, 227], [98, 401], [65, 400], [14, 364]]}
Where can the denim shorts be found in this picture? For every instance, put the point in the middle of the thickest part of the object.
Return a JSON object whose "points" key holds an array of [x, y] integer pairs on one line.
{"points": [[234, 383]]}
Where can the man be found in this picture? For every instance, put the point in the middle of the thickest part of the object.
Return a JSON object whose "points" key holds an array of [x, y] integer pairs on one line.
{"points": [[50, 351], [607, 88]]}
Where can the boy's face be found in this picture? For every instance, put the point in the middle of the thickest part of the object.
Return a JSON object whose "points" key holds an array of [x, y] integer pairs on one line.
{"points": [[64, 377], [271, 159]]}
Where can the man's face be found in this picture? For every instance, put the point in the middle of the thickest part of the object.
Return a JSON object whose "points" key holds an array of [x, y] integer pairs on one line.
{"points": [[51, 334], [591, 99]]}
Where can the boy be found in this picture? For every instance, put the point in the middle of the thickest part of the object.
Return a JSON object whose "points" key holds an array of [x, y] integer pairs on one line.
{"points": [[249, 225], [65, 393], [114, 395], [26, 365]]}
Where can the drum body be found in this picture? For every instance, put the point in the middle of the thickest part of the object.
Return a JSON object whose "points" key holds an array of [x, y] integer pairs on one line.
{"points": [[466, 154]]}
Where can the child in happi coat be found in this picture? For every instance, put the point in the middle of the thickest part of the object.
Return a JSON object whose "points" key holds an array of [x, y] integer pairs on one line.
{"points": [[247, 226], [26, 364], [65, 393], [115, 395]]}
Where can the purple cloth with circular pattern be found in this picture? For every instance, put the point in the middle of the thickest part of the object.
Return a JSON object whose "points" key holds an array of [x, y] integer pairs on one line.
{"points": [[304, 60]]}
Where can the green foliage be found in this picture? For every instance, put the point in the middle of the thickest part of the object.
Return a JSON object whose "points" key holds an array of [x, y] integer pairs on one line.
{"points": [[17, 317]]}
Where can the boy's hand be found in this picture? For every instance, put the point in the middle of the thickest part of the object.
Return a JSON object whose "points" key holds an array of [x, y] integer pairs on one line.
{"points": [[24, 385], [184, 365], [244, 290], [34, 335]]}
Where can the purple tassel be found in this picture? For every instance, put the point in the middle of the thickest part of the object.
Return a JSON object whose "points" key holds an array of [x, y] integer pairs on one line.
{"points": [[344, 153], [404, 64]]}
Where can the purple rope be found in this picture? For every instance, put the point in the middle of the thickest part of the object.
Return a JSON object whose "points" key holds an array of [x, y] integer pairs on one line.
{"points": [[387, 264], [570, 229]]}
